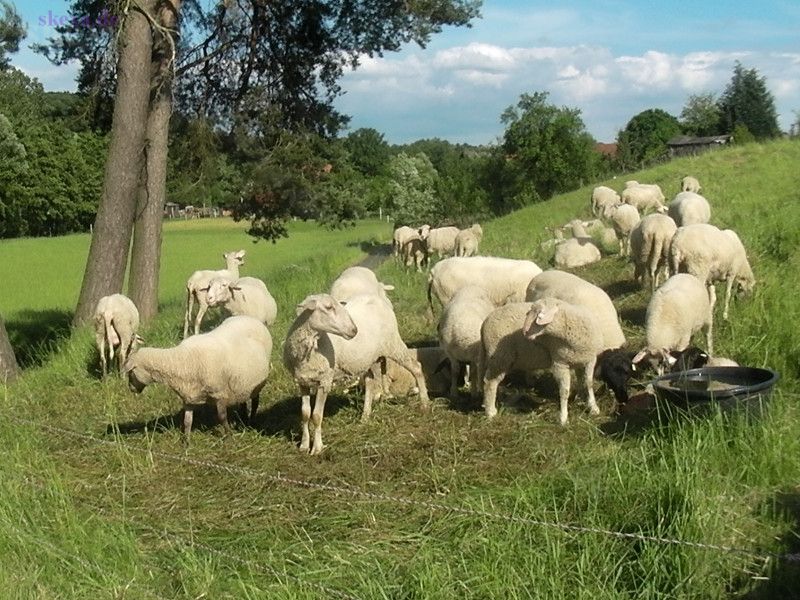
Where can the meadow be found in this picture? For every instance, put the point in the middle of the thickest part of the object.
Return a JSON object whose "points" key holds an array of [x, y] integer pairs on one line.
{"points": [[100, 498]]}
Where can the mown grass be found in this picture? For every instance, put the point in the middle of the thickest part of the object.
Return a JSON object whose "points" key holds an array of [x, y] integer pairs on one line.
{"points": [[129, 519]]}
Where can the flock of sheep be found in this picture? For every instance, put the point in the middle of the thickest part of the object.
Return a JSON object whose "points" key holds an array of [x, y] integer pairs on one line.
{"points": [[499, 316]]}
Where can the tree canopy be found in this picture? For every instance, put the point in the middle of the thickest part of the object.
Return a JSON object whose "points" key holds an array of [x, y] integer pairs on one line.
{"points": [[747, 101], [645, 137], [701, 115], [12, 32]]}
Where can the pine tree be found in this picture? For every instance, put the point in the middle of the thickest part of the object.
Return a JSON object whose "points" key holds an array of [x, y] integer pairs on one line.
{"points": [[747, 101]]}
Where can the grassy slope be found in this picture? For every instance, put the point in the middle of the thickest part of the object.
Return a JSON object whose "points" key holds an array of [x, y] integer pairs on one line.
{"points": [[712, 480]]}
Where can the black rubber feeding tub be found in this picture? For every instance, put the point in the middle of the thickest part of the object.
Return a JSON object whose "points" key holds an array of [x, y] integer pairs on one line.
{"points": [[727, 387]]}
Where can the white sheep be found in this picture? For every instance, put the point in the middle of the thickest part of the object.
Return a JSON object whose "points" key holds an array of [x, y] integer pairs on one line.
{"points": [[459, 333], [441, 240], [624, 218], [690, 184], [435, 368], [330, 342], [712, 255], [677, 310], [400, 236], [197, 286], [644, 196], [602, 197], [650, 242], [689, 208], [359, 280], [116, 321], [224, 367], [243, 296], [575, 290], [547, 333], [467, 240], [505, 279], [577, 251]]}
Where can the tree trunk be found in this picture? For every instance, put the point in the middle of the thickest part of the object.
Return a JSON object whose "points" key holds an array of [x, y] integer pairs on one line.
{"points": [[8, 362], [108, 253], [146, 252]]}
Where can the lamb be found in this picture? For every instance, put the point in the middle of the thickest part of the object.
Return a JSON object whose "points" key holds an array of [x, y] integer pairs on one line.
{"points": [[441, 240], [650, 242], [435, 368], [577, 251], [226, 366], [197, 287], [359, 280], [689, 208], [695, 358], [330, 342], [571, 288], [415, 252], [460, 333], [244, 296], [116, 321], [554, 334], [711, 255], [677, 310], [690, 184], [644, 196], [603, 197], [505, 279], [624, 218], [467, 240]]}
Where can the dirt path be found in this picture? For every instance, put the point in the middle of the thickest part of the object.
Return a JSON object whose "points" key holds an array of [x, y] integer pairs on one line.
{"points": [[376, 254]]}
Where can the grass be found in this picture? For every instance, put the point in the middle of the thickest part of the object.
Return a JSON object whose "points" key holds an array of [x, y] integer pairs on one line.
{"points": [[120, 518]]}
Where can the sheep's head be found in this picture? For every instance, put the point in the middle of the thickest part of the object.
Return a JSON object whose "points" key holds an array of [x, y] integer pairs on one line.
{"points": [[220, 290], [659, 360], [328, 315], [234, 258], [138, 378], [424, 231], [745, 282], [538, 318]]}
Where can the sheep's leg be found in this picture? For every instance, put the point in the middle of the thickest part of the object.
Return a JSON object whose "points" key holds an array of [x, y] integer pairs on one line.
{"points": [[474, 381], [728, 290], [316, 418], [222, 417], [712, 296], [254, 400], [305, 412], [201, 311], [122, 355], [562, 376], [492, 377], [102, 345], [710, 328], [588, 380], [188, 414], [408, 362], [188, 314], [455, 371], [372, 379]]}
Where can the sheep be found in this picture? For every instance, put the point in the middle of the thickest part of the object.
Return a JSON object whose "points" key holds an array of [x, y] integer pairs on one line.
{"points": [[624, 218], [441, 240], [415, 252], [459, 333], [435, 368], [712, 255], [615, 368], [226, 366], [677, 310], [644, 196], [116, 321], [602, 197], [505, 279], [330, 342], [577, 251], [650, 242], [197, 286], [690, 184], [359, 280], [571, 288], [695, 358], [467, 240], [606, 236], [554, 334], [400, 236], [689, 208], [243, 296]]}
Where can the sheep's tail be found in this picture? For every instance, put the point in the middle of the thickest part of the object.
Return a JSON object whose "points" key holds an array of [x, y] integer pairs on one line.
{"points": [[674, 260], [112, 337]]}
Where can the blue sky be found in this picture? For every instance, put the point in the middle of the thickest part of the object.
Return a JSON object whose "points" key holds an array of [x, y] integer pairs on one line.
{"points": [[611, 59]]}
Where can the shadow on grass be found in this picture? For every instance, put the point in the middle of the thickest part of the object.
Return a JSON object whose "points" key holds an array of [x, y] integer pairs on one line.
{"points": [[634, 316], [34, 334], [376, 253], [621, 288]]}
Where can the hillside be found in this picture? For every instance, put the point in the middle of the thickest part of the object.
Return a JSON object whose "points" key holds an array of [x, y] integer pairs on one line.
{"points": [[100, 498]]}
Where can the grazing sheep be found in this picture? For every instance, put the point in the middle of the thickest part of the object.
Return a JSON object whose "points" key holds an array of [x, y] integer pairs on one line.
{"points": [[644, 196], [116, 321], [690, 184], [712, 255], [689, 208], [435, 368], [226, 366], [467, 240], [571, 288], [441, 240], [244, 296], [615, 368], [554, 334], [624, 218], [650, 242], [197, 287], [330, 342], [602, 197], [577, 251], [400, 236], [460, 333], [415, 252], [695, 358], [505, 279], [359, 280], [677, 310]]}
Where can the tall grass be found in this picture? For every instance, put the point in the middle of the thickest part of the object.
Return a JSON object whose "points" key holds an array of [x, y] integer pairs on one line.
{"points": [[146, 524]]}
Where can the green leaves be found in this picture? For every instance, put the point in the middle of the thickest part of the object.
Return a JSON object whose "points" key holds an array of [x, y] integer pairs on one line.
{"points": [[644, 139]]}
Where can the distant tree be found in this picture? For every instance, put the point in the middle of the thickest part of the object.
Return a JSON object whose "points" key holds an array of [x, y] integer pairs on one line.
{"points": [[742, 135], [12, 32], [701, 115], [369, 152], [645, 138], [747, 101], [412, 190]]}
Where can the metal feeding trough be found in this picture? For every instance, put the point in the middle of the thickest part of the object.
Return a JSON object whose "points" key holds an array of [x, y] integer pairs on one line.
{"points": [[727, 387]]}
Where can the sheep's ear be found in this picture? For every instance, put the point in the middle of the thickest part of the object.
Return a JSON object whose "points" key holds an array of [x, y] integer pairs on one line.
{"points": [[138, 339], [310, 303], [546, 316], [203, 289], [387, 287], [240, 254], [639, 356], [234, 288]]}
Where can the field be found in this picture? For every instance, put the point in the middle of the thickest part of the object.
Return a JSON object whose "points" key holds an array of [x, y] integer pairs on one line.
{"points": [[99, 497]]}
